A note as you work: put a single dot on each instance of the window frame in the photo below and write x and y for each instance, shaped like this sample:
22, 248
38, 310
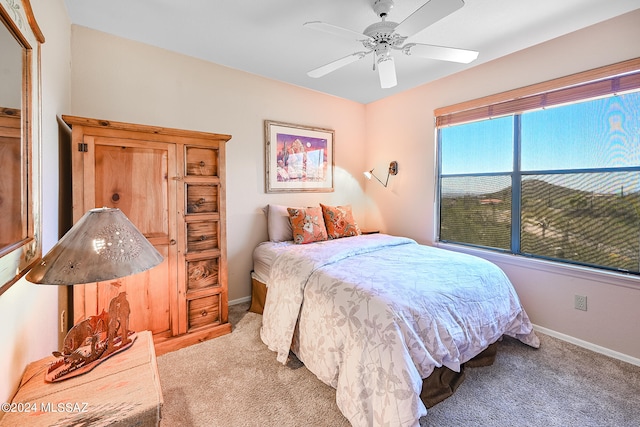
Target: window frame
604, 81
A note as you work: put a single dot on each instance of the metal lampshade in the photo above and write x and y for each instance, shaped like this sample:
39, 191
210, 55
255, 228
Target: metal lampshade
102, 245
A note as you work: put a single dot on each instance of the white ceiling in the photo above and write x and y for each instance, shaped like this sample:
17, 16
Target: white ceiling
267, 37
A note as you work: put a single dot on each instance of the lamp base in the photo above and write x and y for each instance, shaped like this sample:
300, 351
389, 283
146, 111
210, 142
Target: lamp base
63, 369
92, 341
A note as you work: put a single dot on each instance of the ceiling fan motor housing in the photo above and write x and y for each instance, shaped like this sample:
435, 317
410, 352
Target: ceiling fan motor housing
383, 37
382, 7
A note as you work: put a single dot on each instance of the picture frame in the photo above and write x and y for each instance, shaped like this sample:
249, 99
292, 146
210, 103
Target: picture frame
298, 158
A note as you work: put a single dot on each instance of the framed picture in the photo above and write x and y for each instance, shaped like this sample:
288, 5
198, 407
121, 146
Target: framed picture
298, 158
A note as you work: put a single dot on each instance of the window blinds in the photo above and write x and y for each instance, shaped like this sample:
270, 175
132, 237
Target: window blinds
617, 78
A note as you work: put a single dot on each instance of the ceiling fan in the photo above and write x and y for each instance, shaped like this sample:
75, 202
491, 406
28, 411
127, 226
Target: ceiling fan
383, 37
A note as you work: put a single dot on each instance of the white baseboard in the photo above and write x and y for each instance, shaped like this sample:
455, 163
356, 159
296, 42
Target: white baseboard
240, 300
588, 345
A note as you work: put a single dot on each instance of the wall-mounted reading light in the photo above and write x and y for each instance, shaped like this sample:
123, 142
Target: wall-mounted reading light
393, 170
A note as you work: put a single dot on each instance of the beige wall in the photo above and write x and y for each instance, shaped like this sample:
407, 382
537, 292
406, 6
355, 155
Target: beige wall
401, 128
122, 80
29, 313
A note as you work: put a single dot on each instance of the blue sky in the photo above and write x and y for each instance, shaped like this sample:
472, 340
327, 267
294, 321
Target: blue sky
601, 133
565, 137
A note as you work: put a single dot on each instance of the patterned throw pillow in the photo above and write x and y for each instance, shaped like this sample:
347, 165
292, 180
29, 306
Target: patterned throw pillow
307, 224
339, 221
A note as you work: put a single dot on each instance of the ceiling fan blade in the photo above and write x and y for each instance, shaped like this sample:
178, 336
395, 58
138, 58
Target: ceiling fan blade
428, 14
387, 73
335, 30
334, 65
440, 52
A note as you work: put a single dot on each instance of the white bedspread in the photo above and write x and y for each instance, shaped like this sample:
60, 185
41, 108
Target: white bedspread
376, 314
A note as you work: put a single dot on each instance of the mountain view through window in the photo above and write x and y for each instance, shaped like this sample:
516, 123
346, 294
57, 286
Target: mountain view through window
561, 183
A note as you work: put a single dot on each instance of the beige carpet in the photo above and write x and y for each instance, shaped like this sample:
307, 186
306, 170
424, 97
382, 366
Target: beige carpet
235, 380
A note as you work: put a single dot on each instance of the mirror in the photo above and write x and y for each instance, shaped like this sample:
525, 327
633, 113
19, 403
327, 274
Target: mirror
12, 189
20, 40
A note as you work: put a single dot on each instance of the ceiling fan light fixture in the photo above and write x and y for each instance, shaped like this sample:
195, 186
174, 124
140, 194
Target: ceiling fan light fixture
387, 72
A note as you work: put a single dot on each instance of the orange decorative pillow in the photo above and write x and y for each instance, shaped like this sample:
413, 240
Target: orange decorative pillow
339, 221
307, 224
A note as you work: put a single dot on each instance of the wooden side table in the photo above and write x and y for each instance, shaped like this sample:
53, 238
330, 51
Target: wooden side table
124, 390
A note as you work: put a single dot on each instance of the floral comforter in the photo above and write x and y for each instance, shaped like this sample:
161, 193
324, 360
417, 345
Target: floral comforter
373, 315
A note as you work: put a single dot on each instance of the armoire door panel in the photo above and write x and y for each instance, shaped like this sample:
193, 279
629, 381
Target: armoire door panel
148, 294
135, 180
133, 176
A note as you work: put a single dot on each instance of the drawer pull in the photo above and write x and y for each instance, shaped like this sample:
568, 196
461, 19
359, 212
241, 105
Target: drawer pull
172, 242
115, 197
204, 313
202, 163
203, 238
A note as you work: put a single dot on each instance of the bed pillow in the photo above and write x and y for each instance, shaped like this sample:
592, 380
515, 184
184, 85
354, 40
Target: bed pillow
278, 223
339, 221
307, 225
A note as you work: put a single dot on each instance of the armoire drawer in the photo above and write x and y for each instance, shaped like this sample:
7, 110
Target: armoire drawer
203, 273
204, 311
202, 198
201, 161
202, 236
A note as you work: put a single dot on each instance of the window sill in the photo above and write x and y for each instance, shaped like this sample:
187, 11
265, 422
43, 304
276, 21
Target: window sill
585, 273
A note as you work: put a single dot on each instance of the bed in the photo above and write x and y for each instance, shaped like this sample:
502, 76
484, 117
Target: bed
374, 315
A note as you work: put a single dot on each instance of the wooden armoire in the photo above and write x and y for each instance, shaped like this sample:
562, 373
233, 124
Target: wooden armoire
171, 184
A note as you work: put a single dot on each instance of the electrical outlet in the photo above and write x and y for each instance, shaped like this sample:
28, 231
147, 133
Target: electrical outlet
581, 302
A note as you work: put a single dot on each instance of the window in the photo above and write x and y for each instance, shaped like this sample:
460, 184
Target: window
475, 183
559, 183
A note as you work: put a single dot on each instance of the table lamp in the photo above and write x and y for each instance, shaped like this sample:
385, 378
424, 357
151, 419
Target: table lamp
102, 245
